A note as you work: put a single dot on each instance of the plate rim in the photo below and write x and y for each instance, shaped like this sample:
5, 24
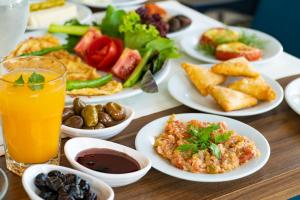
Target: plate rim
273, 105
106, 4
206, 59
140, 137
288, 97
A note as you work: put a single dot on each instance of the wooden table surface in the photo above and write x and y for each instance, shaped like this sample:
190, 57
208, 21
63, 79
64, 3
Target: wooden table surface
278, 179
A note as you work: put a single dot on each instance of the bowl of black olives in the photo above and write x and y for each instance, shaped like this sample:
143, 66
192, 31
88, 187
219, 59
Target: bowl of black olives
95, 120
58, 183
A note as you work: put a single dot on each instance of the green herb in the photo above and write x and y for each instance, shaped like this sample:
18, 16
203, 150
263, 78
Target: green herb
215, 150
201, 139
35, 81
222, 137
207, 49
111, 22
252, 40
19, 81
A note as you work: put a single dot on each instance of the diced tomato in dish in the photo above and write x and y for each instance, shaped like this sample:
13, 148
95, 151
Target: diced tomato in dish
91, 35
126, 63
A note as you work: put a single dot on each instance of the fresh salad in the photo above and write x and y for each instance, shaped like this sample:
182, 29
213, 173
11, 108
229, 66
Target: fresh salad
120, 45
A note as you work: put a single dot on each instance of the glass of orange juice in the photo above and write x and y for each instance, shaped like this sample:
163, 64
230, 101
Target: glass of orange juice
32, 95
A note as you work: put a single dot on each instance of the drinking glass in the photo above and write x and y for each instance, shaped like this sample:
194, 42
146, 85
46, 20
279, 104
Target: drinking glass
32, 95
3, 184
13, 21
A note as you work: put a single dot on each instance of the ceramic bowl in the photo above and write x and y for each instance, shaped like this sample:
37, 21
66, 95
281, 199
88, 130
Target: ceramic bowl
76, 145
103, 191
104, 133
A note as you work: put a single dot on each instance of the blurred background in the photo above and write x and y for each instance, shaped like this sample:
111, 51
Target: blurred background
276, 17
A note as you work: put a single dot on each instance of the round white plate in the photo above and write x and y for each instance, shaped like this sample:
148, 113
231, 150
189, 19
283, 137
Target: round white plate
292, 95
183, 90
105, 3
272, 49
146, 137
125, 93
98, 17
84, 16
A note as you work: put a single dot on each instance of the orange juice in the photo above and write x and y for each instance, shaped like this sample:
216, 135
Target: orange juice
31, 119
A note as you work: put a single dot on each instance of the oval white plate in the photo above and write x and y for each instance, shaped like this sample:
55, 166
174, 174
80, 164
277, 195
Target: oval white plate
102, 190
76, 145
146, 137
272, 49
104, 133
84, 16
98, 16
125, 93
105, 3
183, 90
292, 95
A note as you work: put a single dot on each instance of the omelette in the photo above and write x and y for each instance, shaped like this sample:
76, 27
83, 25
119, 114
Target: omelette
76, 68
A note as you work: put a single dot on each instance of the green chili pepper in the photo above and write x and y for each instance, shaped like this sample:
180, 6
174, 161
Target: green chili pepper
44, 51
77, 84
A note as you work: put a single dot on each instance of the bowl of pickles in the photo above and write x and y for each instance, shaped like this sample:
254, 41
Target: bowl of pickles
95, 120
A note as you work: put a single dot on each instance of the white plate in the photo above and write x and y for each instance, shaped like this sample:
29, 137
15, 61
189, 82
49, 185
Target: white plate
183, 90
105, 3
146, 137
272, 49
104, 133
98, 16
84, 16
125, 93
292, 95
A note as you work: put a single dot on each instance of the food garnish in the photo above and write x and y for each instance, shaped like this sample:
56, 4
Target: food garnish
20, 80
95, 83
203, 147
34, 82
56, 185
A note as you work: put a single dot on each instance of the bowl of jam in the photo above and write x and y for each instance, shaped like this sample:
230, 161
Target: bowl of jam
115, 164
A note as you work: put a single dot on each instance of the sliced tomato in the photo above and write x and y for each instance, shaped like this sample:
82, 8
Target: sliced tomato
104, 52
126, 63
235, 50
86, 40
155, 9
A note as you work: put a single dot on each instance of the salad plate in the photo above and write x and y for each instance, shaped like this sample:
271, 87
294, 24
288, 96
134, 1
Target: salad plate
271, 47
84, 16
125, 93
105, 3
292, 95
182, 89
146, 137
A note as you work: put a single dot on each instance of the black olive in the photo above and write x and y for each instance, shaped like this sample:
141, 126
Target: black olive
78, 105
84, 185
57, 173
65, 196
40, 181
70, 179
91, 196
49, 195
67, 113
184, 21
76, 192
74, 122
174, 24
54, 183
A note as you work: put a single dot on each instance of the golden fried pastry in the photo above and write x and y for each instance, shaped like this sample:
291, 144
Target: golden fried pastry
235, 67
202, 77
230, 99
255, 87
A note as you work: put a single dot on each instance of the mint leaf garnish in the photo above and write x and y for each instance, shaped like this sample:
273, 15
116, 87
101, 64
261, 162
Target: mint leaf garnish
35, 81
187, 147
19, 81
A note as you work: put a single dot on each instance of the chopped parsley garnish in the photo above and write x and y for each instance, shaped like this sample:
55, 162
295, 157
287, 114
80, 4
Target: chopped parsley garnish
19, 81
201, 139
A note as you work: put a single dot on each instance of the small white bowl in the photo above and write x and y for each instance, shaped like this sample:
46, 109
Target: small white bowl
76, 145
103, 191
104, 133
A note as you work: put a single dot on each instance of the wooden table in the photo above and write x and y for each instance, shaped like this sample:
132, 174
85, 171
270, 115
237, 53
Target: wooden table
278, 179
